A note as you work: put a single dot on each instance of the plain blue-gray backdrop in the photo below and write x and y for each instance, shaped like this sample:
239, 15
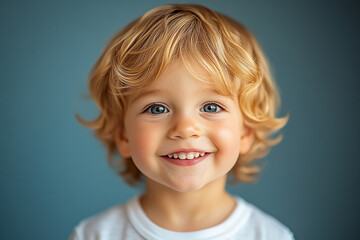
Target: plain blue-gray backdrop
53, 172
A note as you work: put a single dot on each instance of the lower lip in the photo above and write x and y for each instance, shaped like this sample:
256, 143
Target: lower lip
185, 162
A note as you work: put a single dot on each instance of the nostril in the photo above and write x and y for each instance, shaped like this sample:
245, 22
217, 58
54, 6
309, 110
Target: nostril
181, 133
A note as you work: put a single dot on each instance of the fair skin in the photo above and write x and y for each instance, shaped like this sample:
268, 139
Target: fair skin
185, 137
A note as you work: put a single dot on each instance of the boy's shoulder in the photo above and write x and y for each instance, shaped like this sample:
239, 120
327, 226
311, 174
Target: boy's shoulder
103, 225
261, 225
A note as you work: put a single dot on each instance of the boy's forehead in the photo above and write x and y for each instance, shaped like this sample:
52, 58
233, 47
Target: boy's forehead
173, 70
179, 70
156, 88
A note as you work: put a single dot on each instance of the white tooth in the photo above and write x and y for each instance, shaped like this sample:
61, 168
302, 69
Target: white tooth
197, 154
182, 155
190, 155
175, 155
202, 154
170, 155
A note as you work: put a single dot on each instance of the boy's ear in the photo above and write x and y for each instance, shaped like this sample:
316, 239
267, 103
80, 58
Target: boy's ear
247, 139
121, 142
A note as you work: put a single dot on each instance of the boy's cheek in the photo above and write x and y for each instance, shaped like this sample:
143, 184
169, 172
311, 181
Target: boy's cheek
227, 137
144, 138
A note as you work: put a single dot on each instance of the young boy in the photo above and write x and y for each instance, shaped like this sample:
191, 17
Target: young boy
185, 96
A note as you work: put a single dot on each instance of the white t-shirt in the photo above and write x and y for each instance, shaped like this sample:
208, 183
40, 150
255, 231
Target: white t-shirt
129, 221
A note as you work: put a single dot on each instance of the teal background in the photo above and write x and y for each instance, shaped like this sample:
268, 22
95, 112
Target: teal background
53, 172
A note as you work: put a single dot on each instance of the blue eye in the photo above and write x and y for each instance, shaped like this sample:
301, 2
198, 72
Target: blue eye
157, 109
211, 108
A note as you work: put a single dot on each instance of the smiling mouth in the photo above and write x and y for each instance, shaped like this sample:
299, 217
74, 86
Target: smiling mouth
186, 159
185, 156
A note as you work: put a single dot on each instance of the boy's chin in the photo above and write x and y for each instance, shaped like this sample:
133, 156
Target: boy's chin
186, 188
186, 184
183, 186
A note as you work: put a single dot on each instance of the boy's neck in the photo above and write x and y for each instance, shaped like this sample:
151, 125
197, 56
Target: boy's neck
189, 211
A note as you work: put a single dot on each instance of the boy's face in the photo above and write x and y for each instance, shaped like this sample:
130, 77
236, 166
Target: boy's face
181, 133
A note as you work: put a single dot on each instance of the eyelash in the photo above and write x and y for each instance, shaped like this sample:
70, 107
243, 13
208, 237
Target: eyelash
149, 108
218, 107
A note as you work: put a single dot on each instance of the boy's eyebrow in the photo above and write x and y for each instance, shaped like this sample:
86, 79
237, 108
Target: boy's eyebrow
145, 93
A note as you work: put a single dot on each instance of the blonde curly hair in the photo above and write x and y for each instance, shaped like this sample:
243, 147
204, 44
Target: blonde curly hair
140, 52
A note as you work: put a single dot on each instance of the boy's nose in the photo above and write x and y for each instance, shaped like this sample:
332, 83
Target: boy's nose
184, 127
